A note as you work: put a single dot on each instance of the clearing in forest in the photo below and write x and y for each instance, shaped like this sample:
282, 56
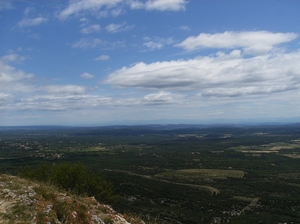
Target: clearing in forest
201, 173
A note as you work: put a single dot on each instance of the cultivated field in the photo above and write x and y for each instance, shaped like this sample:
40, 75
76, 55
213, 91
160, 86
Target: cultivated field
201, 173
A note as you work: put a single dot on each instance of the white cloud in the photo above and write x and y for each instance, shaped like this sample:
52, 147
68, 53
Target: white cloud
19, 92
216, 113
60, 102
32, 22
153, 45
10, 74
185, 28
247, 90
102, 58
13, 58
84, 20
85, 43
28, 10
64, 89
252, 42
157, 43
161, 5
115, 7
4, 4
102, 14
222, 75
115, 28
116, 12
90, 29
12, 79
78, 6
160, 98
86, 75
235, 53
4, 97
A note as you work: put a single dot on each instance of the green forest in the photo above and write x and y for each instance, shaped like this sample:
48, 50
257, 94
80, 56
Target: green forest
168, 174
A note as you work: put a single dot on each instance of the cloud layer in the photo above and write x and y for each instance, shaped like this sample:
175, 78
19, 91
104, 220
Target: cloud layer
86, 75
114, 7
85, 43
27, 22
161, 67
254, 42
222, 75
116, 28
165, 5
78, 6
90, 29
174, 82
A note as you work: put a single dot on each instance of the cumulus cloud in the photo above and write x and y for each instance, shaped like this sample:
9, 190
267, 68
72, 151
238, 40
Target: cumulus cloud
220, 75
78, 6
157, 43
160, 98
102, 58
90, 29
12, 79
165, 5
153, 45
85, 43
13, 58
252, 42
115, 28
86, 75
26, 22
19, 92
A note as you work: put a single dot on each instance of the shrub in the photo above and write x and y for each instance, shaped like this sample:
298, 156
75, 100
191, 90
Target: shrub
73, 177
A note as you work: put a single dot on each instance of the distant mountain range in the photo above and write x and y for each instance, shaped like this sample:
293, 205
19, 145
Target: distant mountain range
159, 127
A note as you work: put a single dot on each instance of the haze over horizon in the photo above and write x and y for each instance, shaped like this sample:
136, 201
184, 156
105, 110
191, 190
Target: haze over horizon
95, 62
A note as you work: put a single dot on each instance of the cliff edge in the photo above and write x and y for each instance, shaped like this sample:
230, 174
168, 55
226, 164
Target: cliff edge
24, 201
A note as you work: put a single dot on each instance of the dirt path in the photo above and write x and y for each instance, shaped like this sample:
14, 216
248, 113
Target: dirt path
251, 205
211, 190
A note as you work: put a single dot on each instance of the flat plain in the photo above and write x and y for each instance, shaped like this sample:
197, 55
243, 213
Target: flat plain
177, 174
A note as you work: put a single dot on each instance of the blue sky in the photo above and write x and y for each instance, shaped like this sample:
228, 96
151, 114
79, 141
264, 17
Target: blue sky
99, 62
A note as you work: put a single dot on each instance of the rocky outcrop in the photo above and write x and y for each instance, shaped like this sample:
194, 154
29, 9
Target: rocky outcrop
24, 201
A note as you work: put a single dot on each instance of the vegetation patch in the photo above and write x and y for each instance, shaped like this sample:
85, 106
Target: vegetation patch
292, 155
160, 177
75, 178
201, 173
268, 148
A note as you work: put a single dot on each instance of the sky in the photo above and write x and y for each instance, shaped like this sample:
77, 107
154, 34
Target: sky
102, 62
